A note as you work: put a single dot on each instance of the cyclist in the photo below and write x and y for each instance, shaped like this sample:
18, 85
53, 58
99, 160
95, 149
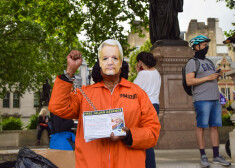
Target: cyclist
205, 95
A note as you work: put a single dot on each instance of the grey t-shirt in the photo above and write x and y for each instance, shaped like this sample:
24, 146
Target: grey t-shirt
207, 90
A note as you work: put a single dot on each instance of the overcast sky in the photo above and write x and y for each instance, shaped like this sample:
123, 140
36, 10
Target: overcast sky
203, 9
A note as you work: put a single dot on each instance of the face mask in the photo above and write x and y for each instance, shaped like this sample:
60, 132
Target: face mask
110, 61
201, 54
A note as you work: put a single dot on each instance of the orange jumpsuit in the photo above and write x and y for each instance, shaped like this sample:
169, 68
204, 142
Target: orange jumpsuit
139, 115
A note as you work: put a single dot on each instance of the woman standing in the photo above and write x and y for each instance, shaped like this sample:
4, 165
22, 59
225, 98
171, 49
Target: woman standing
149, 80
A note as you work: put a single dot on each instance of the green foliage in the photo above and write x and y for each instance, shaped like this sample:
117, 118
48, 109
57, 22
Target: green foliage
146, 47
33, 122
230, 3
226, 121
105, 19
230, 32
12, 123
36, 36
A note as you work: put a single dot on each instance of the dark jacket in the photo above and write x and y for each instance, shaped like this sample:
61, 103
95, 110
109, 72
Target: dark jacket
60, 124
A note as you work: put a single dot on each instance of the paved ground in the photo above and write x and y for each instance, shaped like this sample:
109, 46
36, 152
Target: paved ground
187, 158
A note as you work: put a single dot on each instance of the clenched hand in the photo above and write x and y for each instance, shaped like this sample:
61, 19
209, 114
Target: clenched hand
74, 60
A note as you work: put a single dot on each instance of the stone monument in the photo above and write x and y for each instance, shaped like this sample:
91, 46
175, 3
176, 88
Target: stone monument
177, 116
163, 22
45, 95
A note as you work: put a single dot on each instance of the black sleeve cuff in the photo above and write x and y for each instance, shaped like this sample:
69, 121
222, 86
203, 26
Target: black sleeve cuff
64, 78
128, 139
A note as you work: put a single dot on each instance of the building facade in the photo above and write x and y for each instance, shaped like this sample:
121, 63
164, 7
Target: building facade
226, 83
212, 31
135, 41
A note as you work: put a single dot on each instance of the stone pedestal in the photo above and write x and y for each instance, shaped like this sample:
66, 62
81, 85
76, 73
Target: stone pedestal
177, 115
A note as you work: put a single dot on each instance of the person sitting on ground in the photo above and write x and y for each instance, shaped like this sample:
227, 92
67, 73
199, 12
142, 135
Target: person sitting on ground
43, 120
62, 137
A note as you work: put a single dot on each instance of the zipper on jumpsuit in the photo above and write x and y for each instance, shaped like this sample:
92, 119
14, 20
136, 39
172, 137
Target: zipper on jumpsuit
110, 108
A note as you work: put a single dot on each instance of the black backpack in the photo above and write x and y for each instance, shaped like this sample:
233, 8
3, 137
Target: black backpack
188, 89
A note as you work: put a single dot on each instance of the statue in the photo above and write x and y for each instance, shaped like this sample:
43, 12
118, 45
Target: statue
164, 19
46, 93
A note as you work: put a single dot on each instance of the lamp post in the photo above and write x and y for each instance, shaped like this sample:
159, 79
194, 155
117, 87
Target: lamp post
0, 122
89, 75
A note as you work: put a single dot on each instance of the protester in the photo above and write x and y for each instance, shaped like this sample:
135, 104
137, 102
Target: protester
62, 137
111, 90
205, 98
43, 120
149, 80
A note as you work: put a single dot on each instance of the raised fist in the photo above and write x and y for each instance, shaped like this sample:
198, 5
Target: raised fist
74, 60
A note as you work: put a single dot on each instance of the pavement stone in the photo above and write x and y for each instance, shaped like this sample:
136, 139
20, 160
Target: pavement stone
187, 158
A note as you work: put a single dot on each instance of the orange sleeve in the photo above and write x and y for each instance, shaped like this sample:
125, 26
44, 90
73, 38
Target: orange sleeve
63, 102
146, 134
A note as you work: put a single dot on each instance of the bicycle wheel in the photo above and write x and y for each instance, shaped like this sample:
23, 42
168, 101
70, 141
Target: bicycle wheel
227, 147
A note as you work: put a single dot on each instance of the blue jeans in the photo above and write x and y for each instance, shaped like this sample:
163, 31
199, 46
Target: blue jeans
156, 106
208, 112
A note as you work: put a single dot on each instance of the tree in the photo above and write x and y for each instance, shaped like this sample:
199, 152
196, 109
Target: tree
231, 5
133, 73
37, 35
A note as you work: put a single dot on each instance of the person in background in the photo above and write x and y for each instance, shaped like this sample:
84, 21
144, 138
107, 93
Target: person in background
149, 80
62, 137
205, 95
43, 120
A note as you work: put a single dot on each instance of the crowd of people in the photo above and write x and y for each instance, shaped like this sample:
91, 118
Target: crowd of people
139, 101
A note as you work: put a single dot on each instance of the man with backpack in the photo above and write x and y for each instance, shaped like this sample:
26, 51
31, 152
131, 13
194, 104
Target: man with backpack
202, 76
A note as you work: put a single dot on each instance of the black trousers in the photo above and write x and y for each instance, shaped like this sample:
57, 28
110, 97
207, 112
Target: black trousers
40, 130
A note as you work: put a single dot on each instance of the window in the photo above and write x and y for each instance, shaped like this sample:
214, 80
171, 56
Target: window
16, 100
36, 99
223, 91
6, 100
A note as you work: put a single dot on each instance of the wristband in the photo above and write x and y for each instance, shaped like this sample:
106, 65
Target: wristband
67, 76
